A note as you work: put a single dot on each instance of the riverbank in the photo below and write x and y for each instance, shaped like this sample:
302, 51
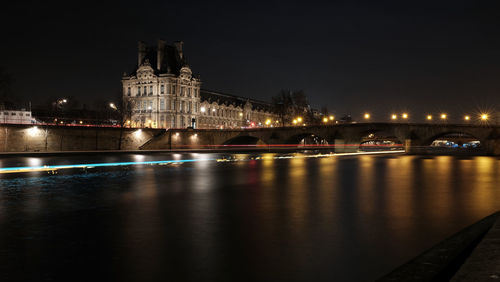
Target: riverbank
472, 254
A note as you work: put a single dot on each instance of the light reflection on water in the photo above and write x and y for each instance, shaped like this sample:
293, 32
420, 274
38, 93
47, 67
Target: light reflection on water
350, 218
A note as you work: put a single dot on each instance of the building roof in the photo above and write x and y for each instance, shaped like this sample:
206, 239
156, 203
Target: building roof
172, 60
228, 99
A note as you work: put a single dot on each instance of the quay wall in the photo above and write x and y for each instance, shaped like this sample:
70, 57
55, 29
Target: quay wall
53, 138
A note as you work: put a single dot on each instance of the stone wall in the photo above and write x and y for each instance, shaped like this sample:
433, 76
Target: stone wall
29, 138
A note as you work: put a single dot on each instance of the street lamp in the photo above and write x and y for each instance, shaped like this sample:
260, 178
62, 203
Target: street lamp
429, 117
444, 116
484, 117
394, 117
325, 120
331, 117
466, 118
404, 116
367, 116
112, 106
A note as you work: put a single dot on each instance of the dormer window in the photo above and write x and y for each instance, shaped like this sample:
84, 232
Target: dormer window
185, 73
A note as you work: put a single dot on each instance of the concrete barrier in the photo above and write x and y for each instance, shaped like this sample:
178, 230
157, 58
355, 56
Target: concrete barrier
445, 260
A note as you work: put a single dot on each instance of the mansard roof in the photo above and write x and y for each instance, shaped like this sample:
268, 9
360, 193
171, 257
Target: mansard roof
238, 101
172, 62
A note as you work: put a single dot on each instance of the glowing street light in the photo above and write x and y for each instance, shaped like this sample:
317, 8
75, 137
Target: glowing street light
429, 117
299, 119
484, 117
33, 131
444, 116
294, 121
325, 119
331, 117
367, 116
138, 132
112, 106
404, 116
466, 118
394, 117
268, 122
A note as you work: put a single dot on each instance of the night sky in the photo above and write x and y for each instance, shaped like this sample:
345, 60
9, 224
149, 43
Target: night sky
382, 57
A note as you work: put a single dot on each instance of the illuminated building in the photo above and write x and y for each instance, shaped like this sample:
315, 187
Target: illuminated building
161, 92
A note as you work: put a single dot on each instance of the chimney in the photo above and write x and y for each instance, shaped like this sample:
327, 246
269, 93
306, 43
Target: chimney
178, 46
160, 55
141, 52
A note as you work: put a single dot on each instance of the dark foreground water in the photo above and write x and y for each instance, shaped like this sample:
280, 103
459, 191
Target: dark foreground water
349, 218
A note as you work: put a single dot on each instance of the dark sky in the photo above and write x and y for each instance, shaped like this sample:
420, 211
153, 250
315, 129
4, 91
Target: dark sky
423, 56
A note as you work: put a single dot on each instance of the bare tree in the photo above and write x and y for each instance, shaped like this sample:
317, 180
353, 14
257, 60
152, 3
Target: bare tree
289, 104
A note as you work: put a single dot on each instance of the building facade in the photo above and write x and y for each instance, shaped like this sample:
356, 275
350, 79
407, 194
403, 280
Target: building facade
161, 92
16, 117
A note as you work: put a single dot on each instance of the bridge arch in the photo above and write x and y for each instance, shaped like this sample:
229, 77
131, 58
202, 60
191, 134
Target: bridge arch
380, 140
454, 139
244, 140
307, 138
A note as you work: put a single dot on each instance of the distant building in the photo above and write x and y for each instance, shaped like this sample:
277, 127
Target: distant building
16, 117
161, 92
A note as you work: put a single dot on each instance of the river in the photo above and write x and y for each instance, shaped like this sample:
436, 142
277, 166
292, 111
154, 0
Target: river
233, 217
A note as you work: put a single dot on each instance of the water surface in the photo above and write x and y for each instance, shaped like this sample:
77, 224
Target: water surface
257, 217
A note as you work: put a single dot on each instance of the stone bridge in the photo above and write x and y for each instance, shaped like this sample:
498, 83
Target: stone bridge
344, 137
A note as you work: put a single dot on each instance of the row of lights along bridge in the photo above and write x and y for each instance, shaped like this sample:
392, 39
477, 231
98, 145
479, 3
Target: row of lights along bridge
405, 116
